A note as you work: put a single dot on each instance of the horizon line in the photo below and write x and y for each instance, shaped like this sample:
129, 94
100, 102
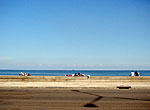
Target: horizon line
76, 69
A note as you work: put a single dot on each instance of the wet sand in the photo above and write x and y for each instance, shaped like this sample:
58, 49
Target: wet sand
73, 99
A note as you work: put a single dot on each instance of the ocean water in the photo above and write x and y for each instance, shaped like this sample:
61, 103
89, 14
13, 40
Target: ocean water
63, 72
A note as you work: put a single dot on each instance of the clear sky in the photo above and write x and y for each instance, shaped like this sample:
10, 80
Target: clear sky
74, 34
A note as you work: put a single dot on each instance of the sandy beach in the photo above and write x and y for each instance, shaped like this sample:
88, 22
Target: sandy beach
73, 99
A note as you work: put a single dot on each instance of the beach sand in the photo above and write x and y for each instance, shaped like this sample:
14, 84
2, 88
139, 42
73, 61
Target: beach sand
73, 99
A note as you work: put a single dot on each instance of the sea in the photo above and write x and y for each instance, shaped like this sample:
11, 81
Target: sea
63, 72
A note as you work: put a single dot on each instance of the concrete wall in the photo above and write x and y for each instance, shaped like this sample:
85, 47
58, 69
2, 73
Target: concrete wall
70, 79
62, 81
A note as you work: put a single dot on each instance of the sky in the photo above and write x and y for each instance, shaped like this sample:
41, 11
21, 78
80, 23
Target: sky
75, 34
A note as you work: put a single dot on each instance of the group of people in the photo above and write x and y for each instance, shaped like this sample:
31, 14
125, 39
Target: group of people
77, 74
135, 73
24, 74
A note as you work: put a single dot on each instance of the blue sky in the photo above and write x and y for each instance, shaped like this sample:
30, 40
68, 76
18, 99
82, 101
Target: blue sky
74, 34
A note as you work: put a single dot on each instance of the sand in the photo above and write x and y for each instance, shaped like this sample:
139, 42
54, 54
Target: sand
73, 99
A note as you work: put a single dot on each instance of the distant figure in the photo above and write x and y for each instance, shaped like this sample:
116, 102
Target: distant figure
132, 73
79, 74
24, 74
75, 74
69, 75
137, 73
21, 74
88, 76
28, 74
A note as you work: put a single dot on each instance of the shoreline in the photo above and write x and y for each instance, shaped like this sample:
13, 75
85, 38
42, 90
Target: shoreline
69, 72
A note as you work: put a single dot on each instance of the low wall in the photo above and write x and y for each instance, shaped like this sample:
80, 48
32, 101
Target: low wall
62, 81
67, 79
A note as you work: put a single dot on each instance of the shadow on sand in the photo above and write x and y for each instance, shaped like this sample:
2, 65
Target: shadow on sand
98, 97
90, 104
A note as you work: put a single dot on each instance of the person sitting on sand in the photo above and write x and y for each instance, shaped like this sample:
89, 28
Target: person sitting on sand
136, 73
75, 74
88, 76
21, 74
28, 74
132, 73
79, 74
25, 74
